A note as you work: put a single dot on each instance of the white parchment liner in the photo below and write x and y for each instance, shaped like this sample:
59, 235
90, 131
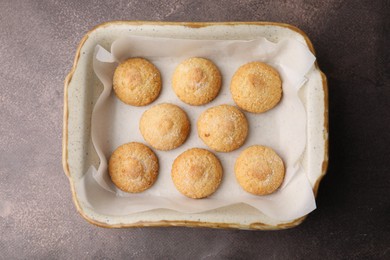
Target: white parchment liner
282, 128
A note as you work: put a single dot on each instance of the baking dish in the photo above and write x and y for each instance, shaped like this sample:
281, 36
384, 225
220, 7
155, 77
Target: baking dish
81, 93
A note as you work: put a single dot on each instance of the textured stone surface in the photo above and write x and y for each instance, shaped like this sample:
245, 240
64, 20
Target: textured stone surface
38, 40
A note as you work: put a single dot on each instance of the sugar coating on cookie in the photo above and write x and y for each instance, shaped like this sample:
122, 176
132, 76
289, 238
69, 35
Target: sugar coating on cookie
259, 170
133, 167
223, 128
256, 87
197, 173
137, 82
165, 126
196, 81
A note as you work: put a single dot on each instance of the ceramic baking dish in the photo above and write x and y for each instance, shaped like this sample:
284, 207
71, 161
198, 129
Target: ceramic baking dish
82, 89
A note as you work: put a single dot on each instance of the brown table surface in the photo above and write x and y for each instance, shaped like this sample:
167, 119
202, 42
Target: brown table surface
38, 40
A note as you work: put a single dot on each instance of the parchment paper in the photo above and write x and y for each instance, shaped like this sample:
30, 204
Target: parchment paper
282, 128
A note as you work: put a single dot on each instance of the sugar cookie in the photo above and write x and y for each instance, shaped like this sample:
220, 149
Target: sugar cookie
256, 87
165, 126
196, 81
259, 170
137, 82
133, 167
223, 128
197, 173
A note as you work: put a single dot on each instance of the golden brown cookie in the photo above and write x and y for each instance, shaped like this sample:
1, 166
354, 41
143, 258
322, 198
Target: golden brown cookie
223, 128
259, 170
197, 173
165, 126
133, 167
137, 82
196, 81
256, 87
